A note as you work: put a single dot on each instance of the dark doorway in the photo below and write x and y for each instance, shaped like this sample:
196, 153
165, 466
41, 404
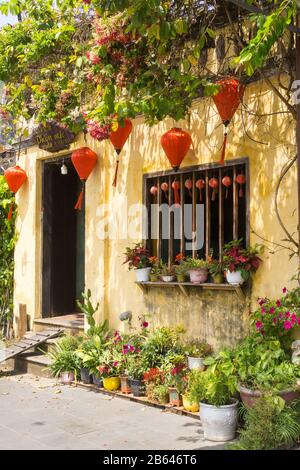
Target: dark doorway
63, 240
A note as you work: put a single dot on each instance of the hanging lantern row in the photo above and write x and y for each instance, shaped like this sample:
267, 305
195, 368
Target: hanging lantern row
201, 184
15, 178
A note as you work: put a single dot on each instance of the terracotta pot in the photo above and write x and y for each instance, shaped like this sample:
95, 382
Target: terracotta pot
189, 406
125, 385
218, 278
250, 397
175, 398
111, 383
137, 388
67, 377
198, 276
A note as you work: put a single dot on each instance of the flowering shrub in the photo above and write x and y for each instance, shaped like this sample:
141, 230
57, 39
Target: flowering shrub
154, 375
276, 319
137, 257
241, 259
178, 377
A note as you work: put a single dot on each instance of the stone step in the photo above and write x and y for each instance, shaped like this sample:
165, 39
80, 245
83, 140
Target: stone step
48, 345
30, 362
72, 324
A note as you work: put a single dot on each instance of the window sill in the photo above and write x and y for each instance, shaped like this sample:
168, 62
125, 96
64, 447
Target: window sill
183, 287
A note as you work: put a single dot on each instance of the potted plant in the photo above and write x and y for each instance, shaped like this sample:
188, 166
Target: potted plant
152, 378
196, 350
89, 354
155, 269
197, 269
136, 371
167, 273
161, 393
138, 259
240, 262
180, 271
64, 363
188, 405
109, 369
214, 391
177, 381
216, 270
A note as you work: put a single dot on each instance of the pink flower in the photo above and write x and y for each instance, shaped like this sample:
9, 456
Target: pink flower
274, 320
263, 310
298, 320
262, 301
293, 318
280, 316
258, 325
145, 324
287, 325
278, 303
272, 310
287, 315
115, 363
284, 290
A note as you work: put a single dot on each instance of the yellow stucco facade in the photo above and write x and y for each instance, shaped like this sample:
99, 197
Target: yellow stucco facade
220, 317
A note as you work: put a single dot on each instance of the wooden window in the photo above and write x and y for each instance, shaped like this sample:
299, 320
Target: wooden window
220, 219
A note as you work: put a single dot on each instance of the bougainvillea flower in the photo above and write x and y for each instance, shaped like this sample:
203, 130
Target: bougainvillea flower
278, 303
284, 290
258, 325
262, 301
272, 310
287, 325
145, 324
263, 310
287, 315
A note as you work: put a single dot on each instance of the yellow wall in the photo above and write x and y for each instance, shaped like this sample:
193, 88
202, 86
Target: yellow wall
221, 318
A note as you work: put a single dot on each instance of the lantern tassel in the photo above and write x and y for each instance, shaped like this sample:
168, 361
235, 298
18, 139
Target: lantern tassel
214, 193
78, 205
117, 169
223, 153
201, 195
176, 197
241, 192
10, 213
226, 195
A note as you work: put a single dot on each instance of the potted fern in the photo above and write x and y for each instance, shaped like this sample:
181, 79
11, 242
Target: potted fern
65, 363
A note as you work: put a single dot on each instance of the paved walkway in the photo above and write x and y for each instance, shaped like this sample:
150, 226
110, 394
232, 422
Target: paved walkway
38, 413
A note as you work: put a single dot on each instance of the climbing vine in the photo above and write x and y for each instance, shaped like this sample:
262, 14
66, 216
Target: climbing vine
7, 243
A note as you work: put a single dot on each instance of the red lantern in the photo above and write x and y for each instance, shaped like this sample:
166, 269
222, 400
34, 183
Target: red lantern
227, 101
15, 178
175, 187
165, 188
84, 161
241, 180
153, 190
188, 184
176, 144
119, 138
226, 181
214, 183
200, 184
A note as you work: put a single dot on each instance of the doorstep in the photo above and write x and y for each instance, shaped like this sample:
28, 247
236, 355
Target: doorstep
142, 400
72, 323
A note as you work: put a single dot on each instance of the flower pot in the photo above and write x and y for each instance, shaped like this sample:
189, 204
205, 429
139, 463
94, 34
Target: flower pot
125, 385
181, 277
174, 397
137, 388
85, 376
218, 278
198, 276
219, 422
97, 381
67, 377
111, 383
189, 406
153, 277
168, 278
143, 275
196, 363
235, 277
250, 397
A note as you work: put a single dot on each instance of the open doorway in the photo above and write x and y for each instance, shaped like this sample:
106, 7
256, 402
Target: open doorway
63, 240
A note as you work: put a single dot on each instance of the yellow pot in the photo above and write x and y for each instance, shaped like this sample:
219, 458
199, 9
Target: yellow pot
188, 406
111, 383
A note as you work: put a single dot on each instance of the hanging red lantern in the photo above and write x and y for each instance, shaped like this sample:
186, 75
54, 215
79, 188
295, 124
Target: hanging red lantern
189, 184
84, 160
165, 188
176, 144
15, 178
153, 190
226, 181
200, 184
214, 184
119, 138
241, 180
227, 101
175, 187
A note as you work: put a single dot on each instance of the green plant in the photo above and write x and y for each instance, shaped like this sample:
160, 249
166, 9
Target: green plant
177, 377
137, 257
136, 367
7, 244
159, 343
180, 269
216, 267
167, 270
195, 263
237, 258
110, 364
89, 310
269, 424
213, 386
160, 393
197, 348
90, 352
64, 358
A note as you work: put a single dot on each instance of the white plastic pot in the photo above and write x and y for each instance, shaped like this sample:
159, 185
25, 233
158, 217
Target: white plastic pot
235, 277
196, 363
219, 422
143, 275
168, 278
67, 377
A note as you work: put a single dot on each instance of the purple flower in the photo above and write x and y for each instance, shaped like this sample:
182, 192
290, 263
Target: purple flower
272, 310
287, 325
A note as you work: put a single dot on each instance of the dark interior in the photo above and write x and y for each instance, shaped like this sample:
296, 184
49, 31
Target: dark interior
63, 240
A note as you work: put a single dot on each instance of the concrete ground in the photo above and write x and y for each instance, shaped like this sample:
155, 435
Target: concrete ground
37, 413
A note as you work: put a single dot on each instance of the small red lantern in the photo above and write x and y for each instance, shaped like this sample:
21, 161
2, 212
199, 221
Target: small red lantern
200, 184
165, 188
226, 181
214, 184
154, 191
175, 187
227, 101
119, 138
188, 184
15, 178
241, 180
84, 160
176, 144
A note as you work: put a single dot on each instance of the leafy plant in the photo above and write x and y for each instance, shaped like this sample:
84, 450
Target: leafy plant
162, 341
195, 263
167, 270
213, 386
269, 424
160, 393
137, 257
89, 310
90, 352
197, 348
177, 377
64, 358
237, 258
216, 267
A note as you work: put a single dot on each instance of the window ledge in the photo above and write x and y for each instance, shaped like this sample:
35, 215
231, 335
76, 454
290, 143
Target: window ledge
183, 287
